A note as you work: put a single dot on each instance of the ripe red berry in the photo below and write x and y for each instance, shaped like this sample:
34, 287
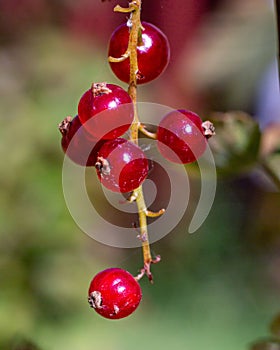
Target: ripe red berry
153, 52
181, 132
116, 107
77, 143
114, 293
121, 165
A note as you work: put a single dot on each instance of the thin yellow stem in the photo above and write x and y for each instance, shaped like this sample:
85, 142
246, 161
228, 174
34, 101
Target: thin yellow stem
132, 48
137, 195
140, 201
132, 90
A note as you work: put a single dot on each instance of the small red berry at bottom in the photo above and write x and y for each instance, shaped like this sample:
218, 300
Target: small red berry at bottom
114, 293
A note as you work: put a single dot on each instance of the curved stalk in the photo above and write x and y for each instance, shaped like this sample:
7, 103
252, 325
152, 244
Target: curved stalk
138, 195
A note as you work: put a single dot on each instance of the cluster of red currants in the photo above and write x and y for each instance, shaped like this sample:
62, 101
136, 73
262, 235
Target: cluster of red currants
95, 137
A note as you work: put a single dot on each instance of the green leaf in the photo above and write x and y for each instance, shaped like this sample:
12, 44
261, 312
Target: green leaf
270, 152
236, 144
266, 344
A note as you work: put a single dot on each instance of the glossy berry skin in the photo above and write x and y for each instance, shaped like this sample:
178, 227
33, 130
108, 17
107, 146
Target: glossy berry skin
106, 111
77, 144
181, 131
121, 165
114, 293
153, 53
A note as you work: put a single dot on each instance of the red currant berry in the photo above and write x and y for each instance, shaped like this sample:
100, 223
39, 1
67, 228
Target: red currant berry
153, 52
116, 107
114, 293
83, 149
121, 165
181, 132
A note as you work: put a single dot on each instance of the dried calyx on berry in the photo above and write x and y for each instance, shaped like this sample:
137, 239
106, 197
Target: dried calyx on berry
100, 89
209, 129
102, 166
76, 142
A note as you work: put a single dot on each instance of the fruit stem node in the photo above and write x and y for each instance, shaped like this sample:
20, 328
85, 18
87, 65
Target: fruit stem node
119, 59
146, 270
152, 214
151, 135
133, 6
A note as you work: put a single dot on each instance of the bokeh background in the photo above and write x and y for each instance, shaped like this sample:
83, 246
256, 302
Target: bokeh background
218, 288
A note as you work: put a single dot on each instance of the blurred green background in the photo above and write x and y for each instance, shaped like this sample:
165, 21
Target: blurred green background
216, 289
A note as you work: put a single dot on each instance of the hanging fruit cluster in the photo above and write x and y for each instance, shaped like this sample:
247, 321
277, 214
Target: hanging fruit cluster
138, 53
